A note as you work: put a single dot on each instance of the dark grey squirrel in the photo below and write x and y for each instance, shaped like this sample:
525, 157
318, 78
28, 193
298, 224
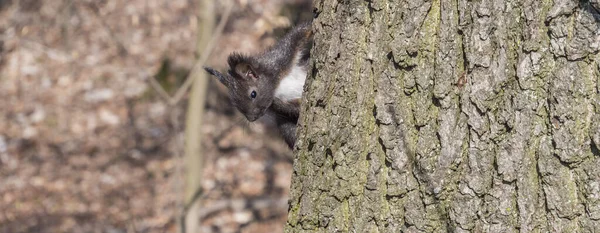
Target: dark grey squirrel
271, 82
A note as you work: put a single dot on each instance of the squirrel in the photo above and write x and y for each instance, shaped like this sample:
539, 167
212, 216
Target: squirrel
271, 82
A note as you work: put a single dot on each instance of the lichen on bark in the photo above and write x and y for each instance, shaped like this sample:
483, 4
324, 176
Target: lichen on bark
450, 116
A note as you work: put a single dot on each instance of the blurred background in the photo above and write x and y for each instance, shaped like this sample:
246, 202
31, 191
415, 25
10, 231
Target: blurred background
93, 108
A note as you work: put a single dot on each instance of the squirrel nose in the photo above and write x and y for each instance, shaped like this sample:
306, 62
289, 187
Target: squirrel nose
252, 118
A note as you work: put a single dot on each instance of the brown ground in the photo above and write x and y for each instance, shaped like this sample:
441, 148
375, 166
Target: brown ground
86, 145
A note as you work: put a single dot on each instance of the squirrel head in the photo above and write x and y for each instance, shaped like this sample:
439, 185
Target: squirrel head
251, 88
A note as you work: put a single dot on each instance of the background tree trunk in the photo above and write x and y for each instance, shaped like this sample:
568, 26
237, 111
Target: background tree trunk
450, 116
194, 162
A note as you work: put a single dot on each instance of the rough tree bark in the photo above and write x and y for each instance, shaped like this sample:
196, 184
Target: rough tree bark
450, 116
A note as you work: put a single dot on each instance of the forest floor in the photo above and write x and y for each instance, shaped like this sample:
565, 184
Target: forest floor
87, 145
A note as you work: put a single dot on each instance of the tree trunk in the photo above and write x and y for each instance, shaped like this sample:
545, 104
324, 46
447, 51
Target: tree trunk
450, 116
193, 158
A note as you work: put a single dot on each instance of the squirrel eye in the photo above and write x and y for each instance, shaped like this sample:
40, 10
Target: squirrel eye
253, 94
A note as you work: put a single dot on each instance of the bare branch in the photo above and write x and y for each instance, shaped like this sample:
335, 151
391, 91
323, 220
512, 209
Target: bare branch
239, 204
200, 62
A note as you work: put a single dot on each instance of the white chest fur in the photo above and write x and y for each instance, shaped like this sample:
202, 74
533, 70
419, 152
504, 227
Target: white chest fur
291, 86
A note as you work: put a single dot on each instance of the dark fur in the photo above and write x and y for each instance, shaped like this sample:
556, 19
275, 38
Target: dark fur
262, 73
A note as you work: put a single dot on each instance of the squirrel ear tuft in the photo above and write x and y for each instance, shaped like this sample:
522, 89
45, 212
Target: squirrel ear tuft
224, 79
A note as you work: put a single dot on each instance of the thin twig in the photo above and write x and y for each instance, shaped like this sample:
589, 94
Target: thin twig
178, 145
181, 91
200, 62
118, 41
158, 88
239, 204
